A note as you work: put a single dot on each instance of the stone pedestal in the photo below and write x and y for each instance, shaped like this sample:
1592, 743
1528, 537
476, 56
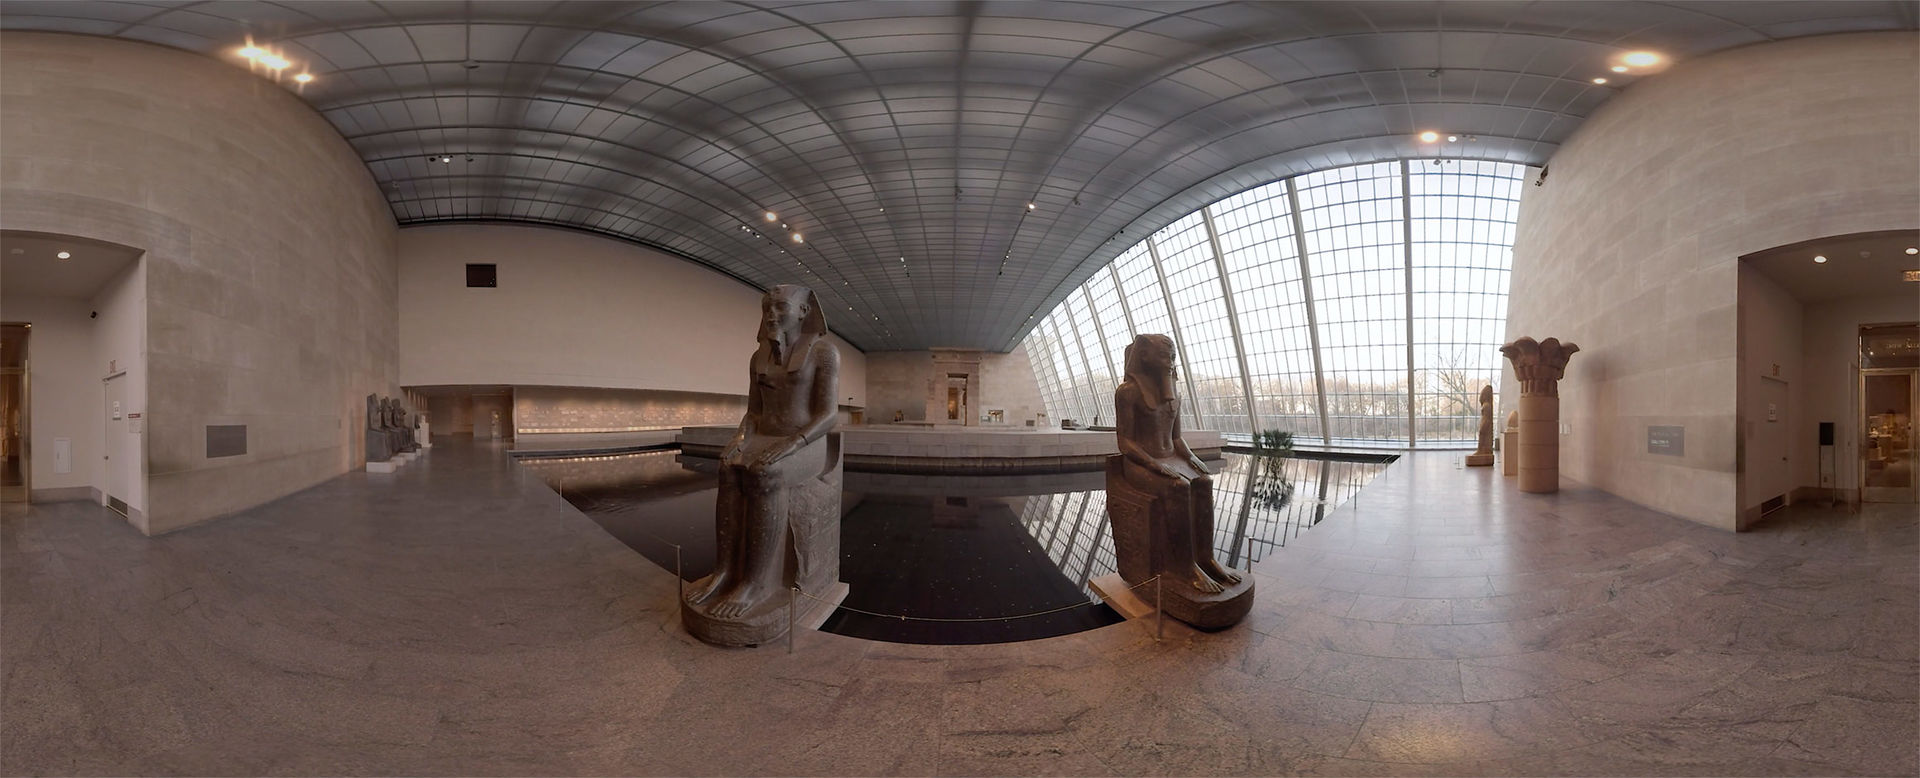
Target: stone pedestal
1539, 366
1135, 523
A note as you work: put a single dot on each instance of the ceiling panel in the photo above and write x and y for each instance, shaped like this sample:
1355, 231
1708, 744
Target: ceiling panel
676, 124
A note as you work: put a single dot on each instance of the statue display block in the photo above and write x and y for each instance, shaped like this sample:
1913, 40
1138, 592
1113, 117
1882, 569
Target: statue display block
1510, 445
1483, 455
1160, 499
1539, 365
777, 518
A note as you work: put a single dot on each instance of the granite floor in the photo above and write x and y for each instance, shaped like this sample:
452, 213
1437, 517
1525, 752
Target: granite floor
459, 618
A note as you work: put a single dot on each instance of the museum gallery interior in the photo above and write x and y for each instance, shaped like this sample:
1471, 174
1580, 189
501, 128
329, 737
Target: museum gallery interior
536, 387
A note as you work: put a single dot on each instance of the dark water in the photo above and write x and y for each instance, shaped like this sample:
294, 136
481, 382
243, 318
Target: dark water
964, 559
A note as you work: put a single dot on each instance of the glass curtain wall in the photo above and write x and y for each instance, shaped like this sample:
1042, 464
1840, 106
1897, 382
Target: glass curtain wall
1367, 307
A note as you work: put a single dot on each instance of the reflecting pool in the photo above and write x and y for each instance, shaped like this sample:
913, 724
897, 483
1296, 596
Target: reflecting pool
955, 559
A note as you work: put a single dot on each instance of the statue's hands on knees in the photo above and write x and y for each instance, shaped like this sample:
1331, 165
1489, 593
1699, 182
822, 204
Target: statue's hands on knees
773, 454
1199, 466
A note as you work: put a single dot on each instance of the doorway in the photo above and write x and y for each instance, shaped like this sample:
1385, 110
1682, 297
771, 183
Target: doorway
1889, 392
116, 457
15, 461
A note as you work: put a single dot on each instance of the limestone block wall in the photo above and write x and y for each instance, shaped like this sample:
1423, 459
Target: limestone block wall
1630, 247
578, 410
579, 310
897, 381
269, 254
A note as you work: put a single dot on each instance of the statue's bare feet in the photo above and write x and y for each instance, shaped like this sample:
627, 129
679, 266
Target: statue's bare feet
713, 584
737, 602
1219, 572
1200, 580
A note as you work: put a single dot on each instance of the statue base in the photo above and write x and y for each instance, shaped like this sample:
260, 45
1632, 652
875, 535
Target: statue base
1135, 518
763, 624
1182, 602
1479, 460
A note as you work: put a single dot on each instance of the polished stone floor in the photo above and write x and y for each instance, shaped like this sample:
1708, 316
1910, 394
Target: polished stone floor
459, 618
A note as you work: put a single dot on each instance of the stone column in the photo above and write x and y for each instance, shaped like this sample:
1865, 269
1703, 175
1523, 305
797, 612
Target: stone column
1539, 365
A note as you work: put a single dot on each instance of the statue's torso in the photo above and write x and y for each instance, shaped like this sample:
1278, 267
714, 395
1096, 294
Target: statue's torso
786, 395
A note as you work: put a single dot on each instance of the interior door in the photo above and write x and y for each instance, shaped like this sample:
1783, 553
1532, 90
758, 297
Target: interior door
15, 459
1769, 466
115, 457
1886, 434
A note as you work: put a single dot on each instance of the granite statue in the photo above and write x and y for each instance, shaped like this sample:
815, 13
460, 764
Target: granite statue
1539, 365
1160, 499
379, 445
1483, 455
777, 517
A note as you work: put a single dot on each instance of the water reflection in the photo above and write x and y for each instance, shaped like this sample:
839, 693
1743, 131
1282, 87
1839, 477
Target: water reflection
955, 559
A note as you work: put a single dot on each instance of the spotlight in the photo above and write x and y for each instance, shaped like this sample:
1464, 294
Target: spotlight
273, 61
1030, 206
252, 52
1599, 81
798, 239
64, 255
1429, 136
446, 159
1453, 138
1618, 68
1912, 251
1820, 259
304, 78
771, 217
1641, 59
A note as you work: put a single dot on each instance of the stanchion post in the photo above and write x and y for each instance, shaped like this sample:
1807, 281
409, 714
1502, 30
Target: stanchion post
790, 591
1159, 609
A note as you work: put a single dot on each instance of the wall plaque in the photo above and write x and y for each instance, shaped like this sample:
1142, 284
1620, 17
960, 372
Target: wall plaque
1670, 441
226, 440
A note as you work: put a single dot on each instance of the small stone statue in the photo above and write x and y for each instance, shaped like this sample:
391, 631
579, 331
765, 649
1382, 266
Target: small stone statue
1160, 498
1483, 456
778, 514
379, 446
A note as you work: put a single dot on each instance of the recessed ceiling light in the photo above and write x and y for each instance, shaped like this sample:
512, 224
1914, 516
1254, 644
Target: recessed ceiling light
273, 61
1030, 206
1618, 68
1911, 251
1641, 59
1429, 136
772, 217
1599, 81
446, 159
303, 77
1820, 259
252, 52
1452, 138
798, 239
64, 255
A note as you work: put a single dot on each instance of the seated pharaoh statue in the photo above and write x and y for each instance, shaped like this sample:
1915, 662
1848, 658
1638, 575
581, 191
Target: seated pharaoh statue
777, 517
1160, 498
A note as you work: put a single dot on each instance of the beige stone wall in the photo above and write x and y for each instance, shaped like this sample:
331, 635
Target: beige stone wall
575, 309
1630, 248
579, 410
898, 380
270, 262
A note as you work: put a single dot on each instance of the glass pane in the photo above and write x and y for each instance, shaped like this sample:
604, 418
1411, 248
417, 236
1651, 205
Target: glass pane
1892, 345
1463, 218
1351, 217
1888, 402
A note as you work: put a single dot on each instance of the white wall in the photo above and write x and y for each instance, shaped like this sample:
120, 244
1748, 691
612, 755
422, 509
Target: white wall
1831, 333
1770, 335
269, 254
1630, 248
63, 387
574, 309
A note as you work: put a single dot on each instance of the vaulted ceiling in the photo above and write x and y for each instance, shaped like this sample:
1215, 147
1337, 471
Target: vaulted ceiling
905, 140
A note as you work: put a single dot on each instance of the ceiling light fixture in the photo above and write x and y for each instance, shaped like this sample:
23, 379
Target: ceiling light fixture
772, 217
1641, 59
1429, 136
304, 78
1819, 259
1030, 206
798, 239
1618, 68
64, 255
446, 159
274, 61
1453, 138
1599, 81
252, 52
1912, 251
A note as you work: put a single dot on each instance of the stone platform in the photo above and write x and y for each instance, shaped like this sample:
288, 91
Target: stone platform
914, 449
